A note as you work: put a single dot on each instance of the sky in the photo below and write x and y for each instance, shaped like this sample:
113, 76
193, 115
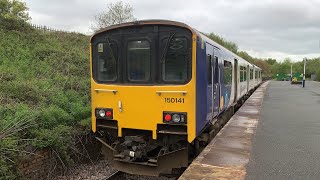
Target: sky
264, 28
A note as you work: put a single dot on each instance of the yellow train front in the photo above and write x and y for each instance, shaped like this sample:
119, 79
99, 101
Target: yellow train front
156, 85
143, 101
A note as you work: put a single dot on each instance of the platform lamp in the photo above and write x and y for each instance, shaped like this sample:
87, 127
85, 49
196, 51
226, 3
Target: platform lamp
291, 74
304, 72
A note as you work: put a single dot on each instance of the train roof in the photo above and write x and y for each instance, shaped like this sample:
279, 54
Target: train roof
145, 22
217, 45
174, 23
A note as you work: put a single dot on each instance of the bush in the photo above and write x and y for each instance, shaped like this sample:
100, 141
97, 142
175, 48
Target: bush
13, 15
318, 75
15, 119
45, 82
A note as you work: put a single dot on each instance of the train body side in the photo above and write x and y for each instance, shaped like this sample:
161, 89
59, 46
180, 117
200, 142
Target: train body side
213, 99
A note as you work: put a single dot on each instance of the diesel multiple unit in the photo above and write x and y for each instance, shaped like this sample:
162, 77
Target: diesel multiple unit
156, 85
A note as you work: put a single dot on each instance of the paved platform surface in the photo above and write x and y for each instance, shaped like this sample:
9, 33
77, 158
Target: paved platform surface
227, 155
287, 141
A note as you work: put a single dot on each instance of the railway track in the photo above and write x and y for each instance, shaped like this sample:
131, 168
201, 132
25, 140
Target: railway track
115, 175
118, 175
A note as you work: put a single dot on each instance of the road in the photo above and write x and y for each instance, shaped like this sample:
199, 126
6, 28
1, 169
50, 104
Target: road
287, 141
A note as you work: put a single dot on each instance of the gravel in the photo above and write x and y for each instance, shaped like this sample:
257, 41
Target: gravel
99, 171
93, 171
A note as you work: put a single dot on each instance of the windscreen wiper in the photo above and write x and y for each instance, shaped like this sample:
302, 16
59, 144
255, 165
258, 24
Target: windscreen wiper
110, 49
166, 47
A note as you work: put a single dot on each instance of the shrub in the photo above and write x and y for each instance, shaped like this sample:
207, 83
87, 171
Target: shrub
45, 82
318, 75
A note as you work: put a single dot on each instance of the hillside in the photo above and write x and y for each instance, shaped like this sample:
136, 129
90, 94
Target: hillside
44, 92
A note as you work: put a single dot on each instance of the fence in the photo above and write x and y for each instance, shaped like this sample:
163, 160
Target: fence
50, 29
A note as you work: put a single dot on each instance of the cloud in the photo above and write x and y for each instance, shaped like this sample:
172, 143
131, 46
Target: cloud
265, 28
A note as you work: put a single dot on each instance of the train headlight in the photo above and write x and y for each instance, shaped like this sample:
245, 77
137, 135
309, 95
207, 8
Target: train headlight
102, 113
167, 117
108, 113
176, 118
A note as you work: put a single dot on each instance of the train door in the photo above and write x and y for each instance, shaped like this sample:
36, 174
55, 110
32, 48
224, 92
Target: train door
248, 78
216, 82
210, 94
254, 75
235, 79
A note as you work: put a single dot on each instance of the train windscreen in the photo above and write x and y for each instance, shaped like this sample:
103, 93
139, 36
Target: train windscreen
149, 54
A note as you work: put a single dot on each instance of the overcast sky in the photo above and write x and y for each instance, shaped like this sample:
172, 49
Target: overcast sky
263, 28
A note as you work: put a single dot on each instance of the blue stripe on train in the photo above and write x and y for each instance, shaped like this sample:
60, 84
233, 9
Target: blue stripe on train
201, 88
203, 92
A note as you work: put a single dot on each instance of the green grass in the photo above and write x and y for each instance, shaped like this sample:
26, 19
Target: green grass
44, 81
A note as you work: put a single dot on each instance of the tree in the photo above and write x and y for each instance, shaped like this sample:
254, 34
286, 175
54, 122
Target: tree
13, 14
227, 44
245, 56
283, 67
266, 68
271, 61
116, 13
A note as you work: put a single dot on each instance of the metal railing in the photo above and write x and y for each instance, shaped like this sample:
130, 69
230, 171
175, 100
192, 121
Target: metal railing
50, 29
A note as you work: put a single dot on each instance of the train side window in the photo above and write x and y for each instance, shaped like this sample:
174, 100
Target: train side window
227, 74
243, 73
256, 74
138, 60
251, 73
216, 70
107, 61
209, 69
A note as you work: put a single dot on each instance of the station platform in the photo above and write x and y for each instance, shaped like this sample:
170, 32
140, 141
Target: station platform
274, 135
227, 155
287, 141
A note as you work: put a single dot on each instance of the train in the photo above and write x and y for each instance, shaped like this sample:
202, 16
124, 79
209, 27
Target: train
156, 86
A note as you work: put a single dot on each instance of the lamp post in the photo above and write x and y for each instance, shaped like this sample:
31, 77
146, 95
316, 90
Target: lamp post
304, 73
291, 74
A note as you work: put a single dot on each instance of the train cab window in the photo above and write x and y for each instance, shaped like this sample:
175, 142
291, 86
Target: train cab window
227, 72
107, 54
251, 73
176, 60
256, 74
138, 60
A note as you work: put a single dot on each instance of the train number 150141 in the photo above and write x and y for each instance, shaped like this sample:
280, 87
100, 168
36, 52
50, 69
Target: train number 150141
174, 100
